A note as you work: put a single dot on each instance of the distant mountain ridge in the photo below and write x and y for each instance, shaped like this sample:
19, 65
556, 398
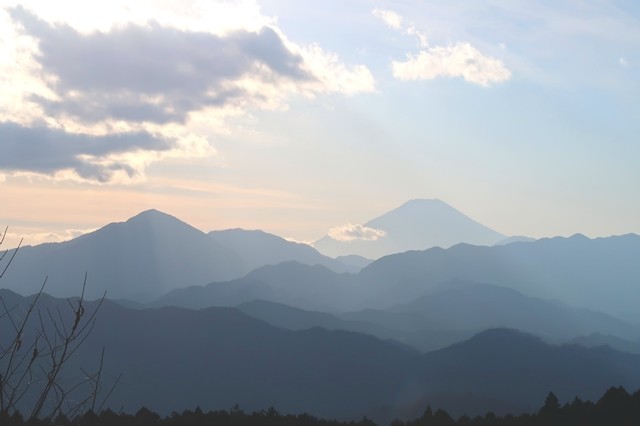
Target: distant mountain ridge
597, 274
144, 256
151, 254
258, 248
601, 274
416, 225
460, 305
311, 287
290, 295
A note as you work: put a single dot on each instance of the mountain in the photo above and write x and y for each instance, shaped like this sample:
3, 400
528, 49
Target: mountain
171, 359
515, 239
355, 261
468, 306
511, 366
600, 274
417, 335
139, 259
149, 255
290, 283
534, 286
258, 248
451, 312
284, 316
415, 225
617, 343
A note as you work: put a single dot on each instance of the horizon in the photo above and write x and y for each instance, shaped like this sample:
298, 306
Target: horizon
522, 117
11, 241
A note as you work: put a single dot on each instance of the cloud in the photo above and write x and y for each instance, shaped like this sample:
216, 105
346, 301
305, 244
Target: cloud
35, 238
335, 76
46, 151
32, 236
422, 39
175, 80
623, 62
350, 232
391, 18
152, 74
395, 21
458, 60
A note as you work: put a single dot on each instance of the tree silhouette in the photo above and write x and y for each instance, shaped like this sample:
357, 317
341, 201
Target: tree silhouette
37, 340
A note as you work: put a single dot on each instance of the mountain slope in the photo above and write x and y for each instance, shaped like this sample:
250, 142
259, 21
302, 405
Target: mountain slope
259, 248
172, 359
143, 257
468, 306
507, 365
416, 225
601, 274
150, 254
617, 343
290, 283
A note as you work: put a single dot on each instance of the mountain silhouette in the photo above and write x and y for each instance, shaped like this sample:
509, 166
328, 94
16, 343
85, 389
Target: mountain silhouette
508, 365
151, 254
415, 225
173, 359
601, 274
441, 301
143, 257
468, 306
258, 248
311, 287
599, 339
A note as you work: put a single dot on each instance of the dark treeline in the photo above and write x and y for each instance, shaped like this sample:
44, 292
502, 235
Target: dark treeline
145, 417
616, 408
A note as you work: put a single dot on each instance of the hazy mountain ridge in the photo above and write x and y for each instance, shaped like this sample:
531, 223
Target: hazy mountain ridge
599, 339
444, 305
460, 305
142, 257
416, 225
496, 360
173, 358
600, 274
449, 313
291, 283
258, 248
426, 299
150, 254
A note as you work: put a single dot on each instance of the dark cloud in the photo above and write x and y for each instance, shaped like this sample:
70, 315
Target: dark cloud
47, 151
154, 73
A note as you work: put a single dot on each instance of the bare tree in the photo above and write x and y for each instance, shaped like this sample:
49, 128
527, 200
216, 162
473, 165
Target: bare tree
37, 339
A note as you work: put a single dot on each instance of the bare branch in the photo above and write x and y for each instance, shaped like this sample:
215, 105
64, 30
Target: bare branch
35, 353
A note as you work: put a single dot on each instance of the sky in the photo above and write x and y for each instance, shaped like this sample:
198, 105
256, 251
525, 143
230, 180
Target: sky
300, 117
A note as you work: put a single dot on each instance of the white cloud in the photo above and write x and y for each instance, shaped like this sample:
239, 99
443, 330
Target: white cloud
623, 62
422, 39
350, 232
293, 240
218, 16
391, 18
458, 60
395, 21
203, 62
34, 236
333, 75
